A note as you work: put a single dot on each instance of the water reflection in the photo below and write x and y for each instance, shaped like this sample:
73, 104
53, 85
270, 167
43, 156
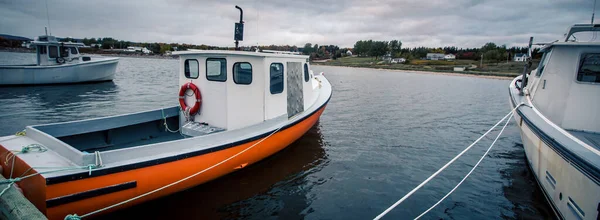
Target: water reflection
522, 190
22, 106
276, 186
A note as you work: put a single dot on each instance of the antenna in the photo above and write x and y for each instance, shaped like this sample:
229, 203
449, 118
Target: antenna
593, 12
48, 18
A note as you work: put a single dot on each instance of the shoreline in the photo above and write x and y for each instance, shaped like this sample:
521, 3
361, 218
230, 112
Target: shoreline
500, 76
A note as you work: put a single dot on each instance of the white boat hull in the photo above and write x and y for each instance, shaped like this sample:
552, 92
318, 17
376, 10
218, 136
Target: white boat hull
95, 70
572, 192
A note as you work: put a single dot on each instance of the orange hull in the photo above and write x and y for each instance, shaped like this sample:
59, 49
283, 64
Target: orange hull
148, 178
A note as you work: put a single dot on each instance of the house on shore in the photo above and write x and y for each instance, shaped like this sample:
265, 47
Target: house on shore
449, 57
398, 60
435, 56
520, 57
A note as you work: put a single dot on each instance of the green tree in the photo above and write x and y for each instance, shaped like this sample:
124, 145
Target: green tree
395, 48
307, 49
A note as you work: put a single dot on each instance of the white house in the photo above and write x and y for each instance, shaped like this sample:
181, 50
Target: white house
349, 53
398, 60
435, 56
520, 57
449, 57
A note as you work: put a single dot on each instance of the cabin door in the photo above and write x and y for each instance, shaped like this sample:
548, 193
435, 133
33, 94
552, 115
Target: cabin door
295, 95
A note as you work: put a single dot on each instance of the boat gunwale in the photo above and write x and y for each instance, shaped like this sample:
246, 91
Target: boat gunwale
122, 166
98, 60
567, 151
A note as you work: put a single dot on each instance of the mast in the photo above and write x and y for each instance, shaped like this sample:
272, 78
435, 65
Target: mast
239, 29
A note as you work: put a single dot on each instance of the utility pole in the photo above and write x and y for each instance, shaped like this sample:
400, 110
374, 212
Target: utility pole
481, 61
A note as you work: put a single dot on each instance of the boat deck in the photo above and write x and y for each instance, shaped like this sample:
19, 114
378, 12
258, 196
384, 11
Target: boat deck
592, 139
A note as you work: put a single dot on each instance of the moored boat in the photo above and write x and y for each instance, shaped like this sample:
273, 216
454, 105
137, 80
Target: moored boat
58, 63
236, 108
560, 124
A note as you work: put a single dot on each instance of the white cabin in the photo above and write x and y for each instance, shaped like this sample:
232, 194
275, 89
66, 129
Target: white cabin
49, 51
566, 85
240, 89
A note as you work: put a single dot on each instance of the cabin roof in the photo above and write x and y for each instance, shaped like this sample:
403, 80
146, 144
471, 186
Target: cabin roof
569, 44
237, 53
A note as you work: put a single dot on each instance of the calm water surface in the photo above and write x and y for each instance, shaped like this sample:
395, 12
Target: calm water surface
382, 133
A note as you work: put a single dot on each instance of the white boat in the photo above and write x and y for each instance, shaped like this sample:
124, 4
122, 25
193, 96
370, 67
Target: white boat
58, 63
559, 119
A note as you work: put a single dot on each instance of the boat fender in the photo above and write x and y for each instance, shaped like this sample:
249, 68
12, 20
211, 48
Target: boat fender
60, 60
194, 88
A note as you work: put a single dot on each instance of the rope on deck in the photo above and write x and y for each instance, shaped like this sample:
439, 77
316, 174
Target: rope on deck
11, 155
446, 165
165, 123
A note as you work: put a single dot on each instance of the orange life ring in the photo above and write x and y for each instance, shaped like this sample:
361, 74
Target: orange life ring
196, 91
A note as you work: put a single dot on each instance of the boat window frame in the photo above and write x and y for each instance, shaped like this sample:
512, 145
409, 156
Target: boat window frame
42, 49
306, 73
543, 62
235, 73
579, 64
274, 92
187, 74
64, 51
50, 51
71, 49
223, 70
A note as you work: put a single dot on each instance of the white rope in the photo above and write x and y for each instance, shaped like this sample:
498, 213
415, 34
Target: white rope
165, 123
466, 176
75, 216
444, 167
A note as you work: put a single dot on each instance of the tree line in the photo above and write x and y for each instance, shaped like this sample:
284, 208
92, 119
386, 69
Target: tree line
490, 51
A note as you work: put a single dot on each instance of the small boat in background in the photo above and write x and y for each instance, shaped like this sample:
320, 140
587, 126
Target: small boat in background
58, 63
559, 121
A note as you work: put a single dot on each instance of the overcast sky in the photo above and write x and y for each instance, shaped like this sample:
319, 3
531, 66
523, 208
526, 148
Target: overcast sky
432, 23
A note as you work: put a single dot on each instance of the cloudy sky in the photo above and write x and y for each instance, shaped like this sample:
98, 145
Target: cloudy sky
432, 23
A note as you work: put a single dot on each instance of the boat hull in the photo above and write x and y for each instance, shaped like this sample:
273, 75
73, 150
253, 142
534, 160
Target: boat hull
571, 189
81, 196
96, 70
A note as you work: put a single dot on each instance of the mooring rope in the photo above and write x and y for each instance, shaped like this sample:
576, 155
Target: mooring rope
77, 217
446, 165
11, 155
471, 171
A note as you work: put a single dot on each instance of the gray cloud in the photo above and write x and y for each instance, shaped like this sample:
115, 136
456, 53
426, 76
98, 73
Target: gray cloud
433, 23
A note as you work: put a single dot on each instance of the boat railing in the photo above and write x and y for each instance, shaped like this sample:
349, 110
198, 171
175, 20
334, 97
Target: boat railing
581, 28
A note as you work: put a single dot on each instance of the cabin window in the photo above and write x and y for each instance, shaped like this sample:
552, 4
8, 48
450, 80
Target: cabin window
242, 73
306, 75
276, 74
543, 63
53, 51
64, 51
216, 69
191, 69
42, 49
73, 50
589, 68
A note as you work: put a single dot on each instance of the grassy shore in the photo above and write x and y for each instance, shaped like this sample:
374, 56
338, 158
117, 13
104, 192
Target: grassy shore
503, 69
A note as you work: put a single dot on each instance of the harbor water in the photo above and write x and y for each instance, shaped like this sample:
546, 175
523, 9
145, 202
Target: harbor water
382, 133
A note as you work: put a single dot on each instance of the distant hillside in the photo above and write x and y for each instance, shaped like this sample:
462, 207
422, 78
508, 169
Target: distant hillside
12, 37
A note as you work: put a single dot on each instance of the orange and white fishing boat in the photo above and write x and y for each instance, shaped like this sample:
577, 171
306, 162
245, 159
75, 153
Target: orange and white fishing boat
236, 108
